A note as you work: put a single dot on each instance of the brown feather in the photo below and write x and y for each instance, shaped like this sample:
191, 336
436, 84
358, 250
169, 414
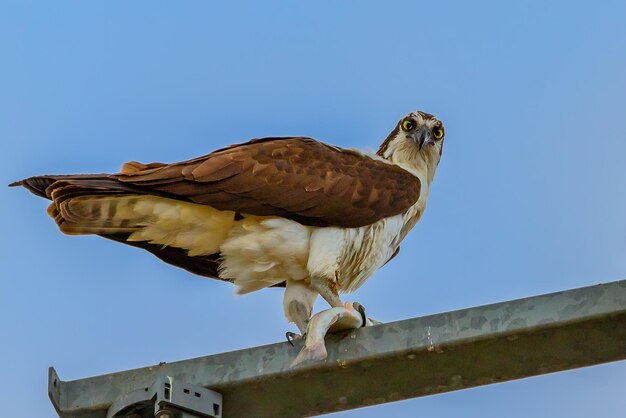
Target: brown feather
295, 177
283, 176
134, 166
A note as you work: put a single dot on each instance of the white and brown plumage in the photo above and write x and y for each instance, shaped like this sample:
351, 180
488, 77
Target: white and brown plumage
290, 212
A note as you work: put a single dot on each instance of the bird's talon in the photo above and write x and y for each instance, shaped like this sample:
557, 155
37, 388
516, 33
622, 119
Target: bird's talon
292, 336
361, 310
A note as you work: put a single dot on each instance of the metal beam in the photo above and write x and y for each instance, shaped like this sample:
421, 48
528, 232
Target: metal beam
389, 362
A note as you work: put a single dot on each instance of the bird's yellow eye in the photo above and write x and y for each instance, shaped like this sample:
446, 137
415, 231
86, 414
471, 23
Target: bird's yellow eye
438, 133
408, 124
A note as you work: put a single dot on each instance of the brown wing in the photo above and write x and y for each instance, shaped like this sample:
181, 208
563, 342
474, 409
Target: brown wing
297, 178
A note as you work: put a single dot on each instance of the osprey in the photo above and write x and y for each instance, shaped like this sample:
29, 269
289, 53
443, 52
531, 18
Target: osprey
289, 211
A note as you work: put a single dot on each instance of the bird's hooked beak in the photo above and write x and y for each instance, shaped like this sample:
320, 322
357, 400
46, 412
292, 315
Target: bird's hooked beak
422, 136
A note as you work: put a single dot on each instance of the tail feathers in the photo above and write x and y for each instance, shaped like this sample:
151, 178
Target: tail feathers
148, 219
88, 203
93, 214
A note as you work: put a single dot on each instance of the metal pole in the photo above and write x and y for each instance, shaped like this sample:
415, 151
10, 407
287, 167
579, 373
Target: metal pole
389, 362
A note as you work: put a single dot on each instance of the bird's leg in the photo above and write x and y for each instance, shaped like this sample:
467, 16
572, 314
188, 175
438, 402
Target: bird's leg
298, 304
328, 289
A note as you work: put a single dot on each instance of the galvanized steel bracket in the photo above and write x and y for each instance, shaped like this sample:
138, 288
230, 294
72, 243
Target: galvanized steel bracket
168, 398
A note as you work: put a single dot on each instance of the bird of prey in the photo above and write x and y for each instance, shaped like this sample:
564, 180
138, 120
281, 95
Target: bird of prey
286, 211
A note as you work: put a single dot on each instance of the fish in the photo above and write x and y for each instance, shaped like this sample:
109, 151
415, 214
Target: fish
330, 320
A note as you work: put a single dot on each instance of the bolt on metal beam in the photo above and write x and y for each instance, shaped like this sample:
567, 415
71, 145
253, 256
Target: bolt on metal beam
389, 362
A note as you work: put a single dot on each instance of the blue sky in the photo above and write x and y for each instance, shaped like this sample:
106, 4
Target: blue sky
529, 197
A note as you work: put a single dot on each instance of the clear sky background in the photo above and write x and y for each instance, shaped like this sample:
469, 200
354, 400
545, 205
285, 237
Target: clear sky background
529, 197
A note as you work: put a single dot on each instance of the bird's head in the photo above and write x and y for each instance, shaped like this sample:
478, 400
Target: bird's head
416, 143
